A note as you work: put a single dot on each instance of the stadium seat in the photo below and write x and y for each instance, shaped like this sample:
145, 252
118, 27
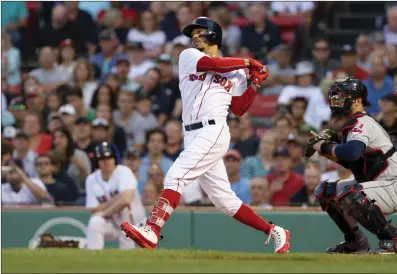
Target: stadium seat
284, 22
263, 106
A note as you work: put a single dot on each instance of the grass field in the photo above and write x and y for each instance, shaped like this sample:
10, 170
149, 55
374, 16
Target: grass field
188, 261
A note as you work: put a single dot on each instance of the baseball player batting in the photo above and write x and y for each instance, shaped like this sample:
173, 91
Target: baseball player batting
112, 195
209, 84
366, 149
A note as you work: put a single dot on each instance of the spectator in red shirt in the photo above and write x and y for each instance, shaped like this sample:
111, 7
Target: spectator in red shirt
283, 182
39, 142
349, 64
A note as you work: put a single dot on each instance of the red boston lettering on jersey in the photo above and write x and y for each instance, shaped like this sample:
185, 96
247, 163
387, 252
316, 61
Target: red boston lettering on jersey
194, 77
358, 129
223, 81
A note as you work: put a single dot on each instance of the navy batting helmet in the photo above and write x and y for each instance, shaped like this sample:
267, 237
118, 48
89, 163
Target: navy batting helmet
343, 92
106, 150
214, 34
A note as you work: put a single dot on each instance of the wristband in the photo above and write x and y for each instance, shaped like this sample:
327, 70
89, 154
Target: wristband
326, 147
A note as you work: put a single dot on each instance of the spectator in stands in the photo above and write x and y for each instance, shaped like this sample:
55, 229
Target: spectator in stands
54, 122
104, 95
150, 194
113, 80
303, 9
305, 86
305, 196
392, 60
363, 49
322, 61
39, 142
349, 64
83, 77
122, 69
67, 58
295, 148
113, 19
131, 121
390, 30
139, 64
282, 71
240, 184
170, 85
75, 99
156, 139
19, 189
82, 136
77, 163
60, 192
10, 60
49, 74
248, 143
283, 181
148, 34
35, 97
283, 128
24, 153
184, 16
297, 108
116, 134
261, 164
94, 8
174, 132
68, 116
220, 13
259, 192
339, 173
53, 102
178, 45
155, 177
6, 154
133, 161
18, 110
14, 17
388, 113
106, 59
379, 84
261, 36
100, 130
233, 123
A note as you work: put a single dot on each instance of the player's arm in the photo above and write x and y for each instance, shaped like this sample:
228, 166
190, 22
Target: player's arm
349, 152
226, 64
121, 201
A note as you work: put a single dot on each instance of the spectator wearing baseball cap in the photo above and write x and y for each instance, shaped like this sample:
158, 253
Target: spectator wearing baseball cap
283, 181
239, 184
149, 34
82, 136
121, 70
18, 110
68, 116
388, 113
295, 148
107, 58
132, 159
322, 61
139, 64
75, 99
24, 153
100, 130
67, 57
349, 64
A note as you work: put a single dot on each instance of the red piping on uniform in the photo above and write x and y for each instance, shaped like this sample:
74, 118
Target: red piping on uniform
204, 96
240, 104
221, 65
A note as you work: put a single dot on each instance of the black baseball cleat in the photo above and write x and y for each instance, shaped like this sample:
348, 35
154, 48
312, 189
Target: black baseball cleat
347, 248
386, 247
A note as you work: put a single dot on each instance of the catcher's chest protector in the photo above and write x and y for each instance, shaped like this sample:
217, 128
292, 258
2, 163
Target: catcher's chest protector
372, 162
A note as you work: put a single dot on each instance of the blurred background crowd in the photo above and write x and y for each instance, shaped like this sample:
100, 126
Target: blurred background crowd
75, 74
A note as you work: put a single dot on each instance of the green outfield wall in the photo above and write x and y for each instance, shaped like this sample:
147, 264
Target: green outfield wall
311, 231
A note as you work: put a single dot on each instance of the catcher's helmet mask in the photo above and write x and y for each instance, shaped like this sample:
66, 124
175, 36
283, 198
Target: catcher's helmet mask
214, 34
343, 93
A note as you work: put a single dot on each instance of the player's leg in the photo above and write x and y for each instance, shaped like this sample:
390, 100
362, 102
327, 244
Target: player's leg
98, 229
217, 186
206, 147
367, 203
355, 239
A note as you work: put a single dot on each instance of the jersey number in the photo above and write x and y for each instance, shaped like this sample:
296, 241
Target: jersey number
358, 129
103, 198
223, 81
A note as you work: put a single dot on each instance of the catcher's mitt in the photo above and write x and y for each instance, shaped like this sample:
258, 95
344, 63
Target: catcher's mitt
324, 135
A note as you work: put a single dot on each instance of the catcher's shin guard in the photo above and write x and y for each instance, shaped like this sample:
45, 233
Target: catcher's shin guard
356, 204
355, 239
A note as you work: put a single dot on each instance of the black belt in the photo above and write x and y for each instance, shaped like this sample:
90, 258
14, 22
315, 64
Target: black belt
198, 125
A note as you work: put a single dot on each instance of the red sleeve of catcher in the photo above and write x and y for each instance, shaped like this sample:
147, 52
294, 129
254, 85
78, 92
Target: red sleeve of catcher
240, 104
220, 65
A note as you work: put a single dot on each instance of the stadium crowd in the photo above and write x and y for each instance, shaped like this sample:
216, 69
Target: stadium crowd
108, 72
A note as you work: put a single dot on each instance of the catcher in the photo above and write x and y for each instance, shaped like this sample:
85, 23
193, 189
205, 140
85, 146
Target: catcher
366, 149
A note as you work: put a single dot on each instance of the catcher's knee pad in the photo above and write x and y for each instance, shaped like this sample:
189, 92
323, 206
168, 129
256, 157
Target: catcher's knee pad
357, 205
325, 192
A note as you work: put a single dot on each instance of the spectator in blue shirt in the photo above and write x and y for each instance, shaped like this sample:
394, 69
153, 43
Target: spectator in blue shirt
14, 15
379, 84
240, 185
108, 57
10, 61
156, 139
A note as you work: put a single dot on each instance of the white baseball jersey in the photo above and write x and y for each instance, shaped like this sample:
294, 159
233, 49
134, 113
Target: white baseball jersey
368, 131
23, 197
206, 95
99, 191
